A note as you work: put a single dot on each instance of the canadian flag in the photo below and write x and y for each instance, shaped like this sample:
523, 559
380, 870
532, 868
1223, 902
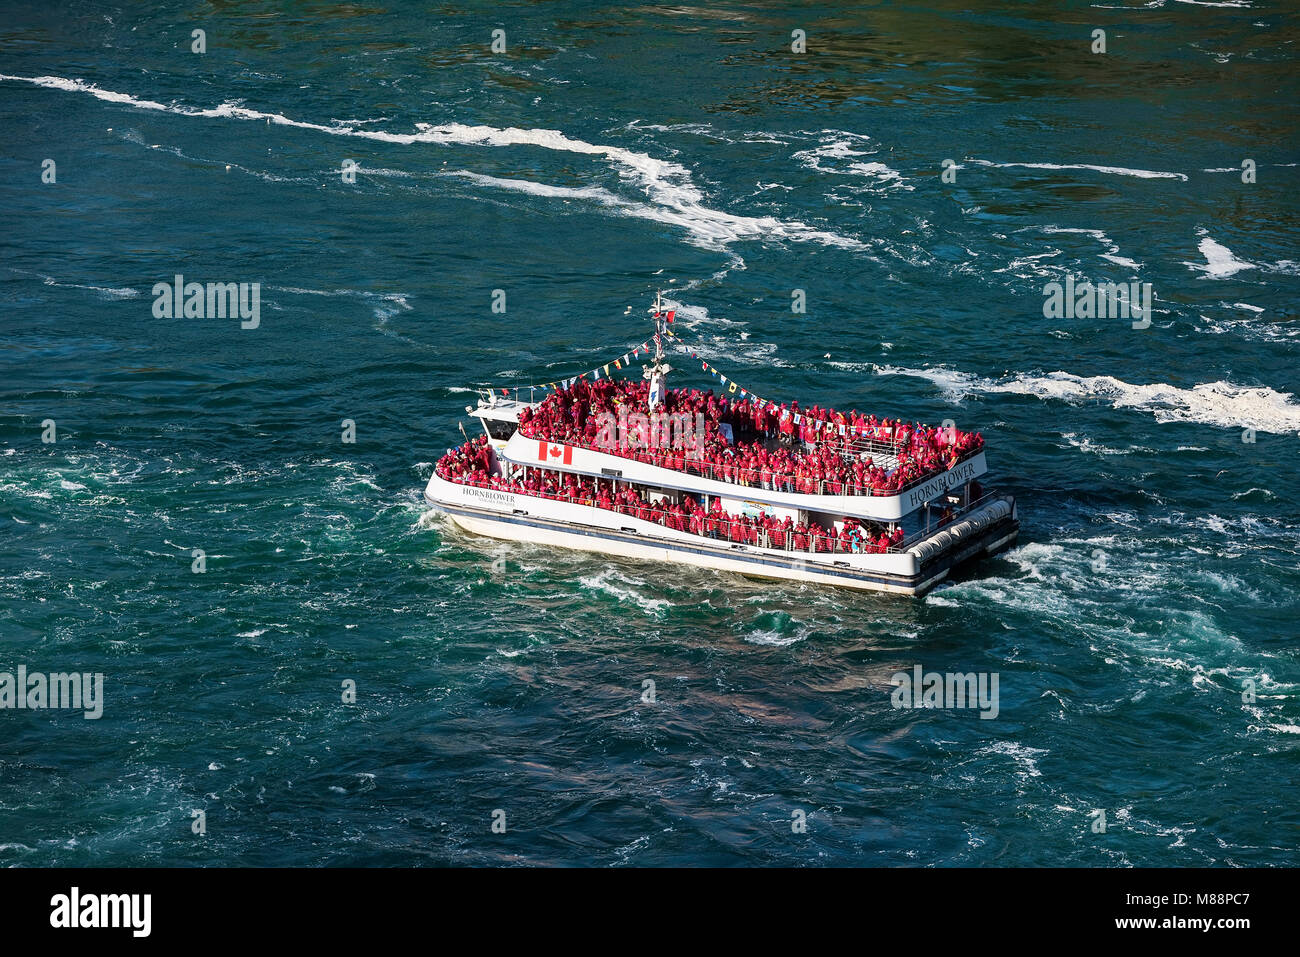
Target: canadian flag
547, 451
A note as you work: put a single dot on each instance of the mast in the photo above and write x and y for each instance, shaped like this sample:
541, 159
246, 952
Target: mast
657, 370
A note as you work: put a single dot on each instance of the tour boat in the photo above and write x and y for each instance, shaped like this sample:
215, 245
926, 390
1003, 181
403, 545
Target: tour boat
727, 481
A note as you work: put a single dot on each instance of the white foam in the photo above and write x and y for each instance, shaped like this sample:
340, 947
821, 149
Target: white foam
710, 228
734, 262
704, 129
394, 297
1112, 249
1220, 261
885, 175
1018, 266
1212, 403
694, 316
133, 137
385, 304
746, 353
667, 184
772, 638
106, 292
1243, 320
1085, 444
839, 158
1113, 170
1024, 756
610, 582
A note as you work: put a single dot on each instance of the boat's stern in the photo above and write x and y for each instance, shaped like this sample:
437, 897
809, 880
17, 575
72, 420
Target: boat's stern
981, 533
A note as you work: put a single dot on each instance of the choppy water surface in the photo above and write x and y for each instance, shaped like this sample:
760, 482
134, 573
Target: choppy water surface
609, 152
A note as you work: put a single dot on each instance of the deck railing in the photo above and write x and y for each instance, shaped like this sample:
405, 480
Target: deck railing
745, 477
722, 527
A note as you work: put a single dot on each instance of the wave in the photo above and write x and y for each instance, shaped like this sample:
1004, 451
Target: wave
105, 292
1113, 170
710, 228
133, 137
705, 129
722, 348
1213, 403
1024, 757
394, 297
667, 184
385, 305
838, 157
1246, 321
623, 588
774, 638
1112, 249
1085, 444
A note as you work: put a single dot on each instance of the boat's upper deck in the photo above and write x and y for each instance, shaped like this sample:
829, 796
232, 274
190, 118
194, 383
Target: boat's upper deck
782, 490
696, 441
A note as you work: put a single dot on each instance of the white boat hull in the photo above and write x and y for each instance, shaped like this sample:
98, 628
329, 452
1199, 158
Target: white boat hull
524, 518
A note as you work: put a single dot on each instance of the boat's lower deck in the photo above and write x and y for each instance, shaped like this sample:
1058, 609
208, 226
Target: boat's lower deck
543, 521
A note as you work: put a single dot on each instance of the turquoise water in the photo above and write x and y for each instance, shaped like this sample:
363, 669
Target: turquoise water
607, 153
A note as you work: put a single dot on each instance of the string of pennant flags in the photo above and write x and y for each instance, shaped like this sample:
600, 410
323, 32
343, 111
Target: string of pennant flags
600, 371
736, 390
733, 388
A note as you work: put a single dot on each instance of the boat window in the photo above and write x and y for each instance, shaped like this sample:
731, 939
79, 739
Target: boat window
499, 428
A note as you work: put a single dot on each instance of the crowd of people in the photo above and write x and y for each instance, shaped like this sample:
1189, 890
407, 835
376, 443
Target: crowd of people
766, 449
472, 464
